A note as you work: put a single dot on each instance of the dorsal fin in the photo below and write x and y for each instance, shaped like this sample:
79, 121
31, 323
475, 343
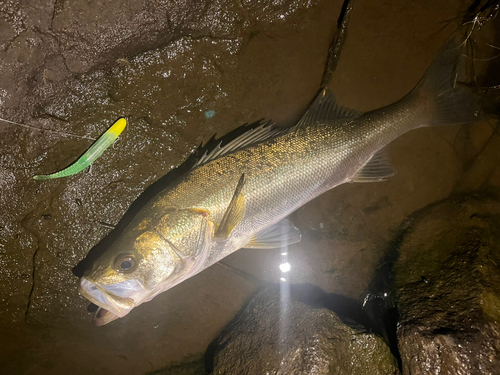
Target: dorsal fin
262, 132
325, 108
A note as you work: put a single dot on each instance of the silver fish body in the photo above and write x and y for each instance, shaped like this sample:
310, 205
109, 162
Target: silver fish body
238, 195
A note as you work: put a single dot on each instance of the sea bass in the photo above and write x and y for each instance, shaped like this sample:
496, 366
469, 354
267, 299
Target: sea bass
239, 194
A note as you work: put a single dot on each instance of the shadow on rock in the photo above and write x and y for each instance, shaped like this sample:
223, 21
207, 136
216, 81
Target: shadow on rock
379, 304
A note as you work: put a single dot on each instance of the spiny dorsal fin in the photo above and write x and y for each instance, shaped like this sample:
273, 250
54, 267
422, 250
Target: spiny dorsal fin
277, 235
235, 211
260, 133
325, 108
378, 168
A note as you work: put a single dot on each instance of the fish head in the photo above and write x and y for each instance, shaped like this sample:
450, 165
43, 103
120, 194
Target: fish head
146, 260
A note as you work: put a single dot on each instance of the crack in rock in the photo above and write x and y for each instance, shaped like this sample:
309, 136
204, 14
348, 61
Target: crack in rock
33, 278
25, 224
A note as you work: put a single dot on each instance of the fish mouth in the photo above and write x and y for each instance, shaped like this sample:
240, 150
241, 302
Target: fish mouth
103, 317
111, 305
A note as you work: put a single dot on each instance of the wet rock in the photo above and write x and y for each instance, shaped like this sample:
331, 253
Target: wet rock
187, 367
448, 275
96, 33
278, 334
92, 34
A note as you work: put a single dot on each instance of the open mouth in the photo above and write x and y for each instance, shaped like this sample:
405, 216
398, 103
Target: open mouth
114, 301
103, 316
97, 295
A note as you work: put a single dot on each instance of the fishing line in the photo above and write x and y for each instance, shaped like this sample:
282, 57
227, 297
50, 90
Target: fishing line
48, 130
40, 157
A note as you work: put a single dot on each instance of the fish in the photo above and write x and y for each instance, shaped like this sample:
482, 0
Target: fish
239, 194
91, 155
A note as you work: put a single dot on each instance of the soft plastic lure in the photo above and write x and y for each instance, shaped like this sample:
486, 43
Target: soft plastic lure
91, 154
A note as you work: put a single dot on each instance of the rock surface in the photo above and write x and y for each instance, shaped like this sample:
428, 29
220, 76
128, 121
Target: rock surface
75, 66
276, 334
448, 275
187, 367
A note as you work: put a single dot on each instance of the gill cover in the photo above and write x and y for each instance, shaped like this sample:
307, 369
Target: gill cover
187, 234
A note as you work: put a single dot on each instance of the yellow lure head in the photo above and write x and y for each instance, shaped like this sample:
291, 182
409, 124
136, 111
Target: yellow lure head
117, 128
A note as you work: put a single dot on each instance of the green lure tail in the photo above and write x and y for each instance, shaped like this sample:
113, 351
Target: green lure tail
91, 154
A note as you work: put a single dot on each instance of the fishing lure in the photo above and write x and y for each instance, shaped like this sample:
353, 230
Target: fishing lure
91, 154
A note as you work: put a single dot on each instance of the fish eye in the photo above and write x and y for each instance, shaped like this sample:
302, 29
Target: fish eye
125, 263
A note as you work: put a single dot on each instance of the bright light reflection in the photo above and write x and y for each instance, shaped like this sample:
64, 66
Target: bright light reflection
284, 302
285, 267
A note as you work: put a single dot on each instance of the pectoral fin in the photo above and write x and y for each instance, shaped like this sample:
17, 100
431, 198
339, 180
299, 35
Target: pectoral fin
377, 169
277, 235
235, 211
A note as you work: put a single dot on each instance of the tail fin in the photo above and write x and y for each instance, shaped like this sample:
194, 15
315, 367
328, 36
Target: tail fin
453, 102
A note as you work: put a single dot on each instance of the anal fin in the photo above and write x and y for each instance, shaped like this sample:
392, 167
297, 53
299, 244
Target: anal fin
378, 168
277, 235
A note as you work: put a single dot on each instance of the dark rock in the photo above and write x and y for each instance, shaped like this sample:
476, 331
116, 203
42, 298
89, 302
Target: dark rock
448, 276
280, 335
